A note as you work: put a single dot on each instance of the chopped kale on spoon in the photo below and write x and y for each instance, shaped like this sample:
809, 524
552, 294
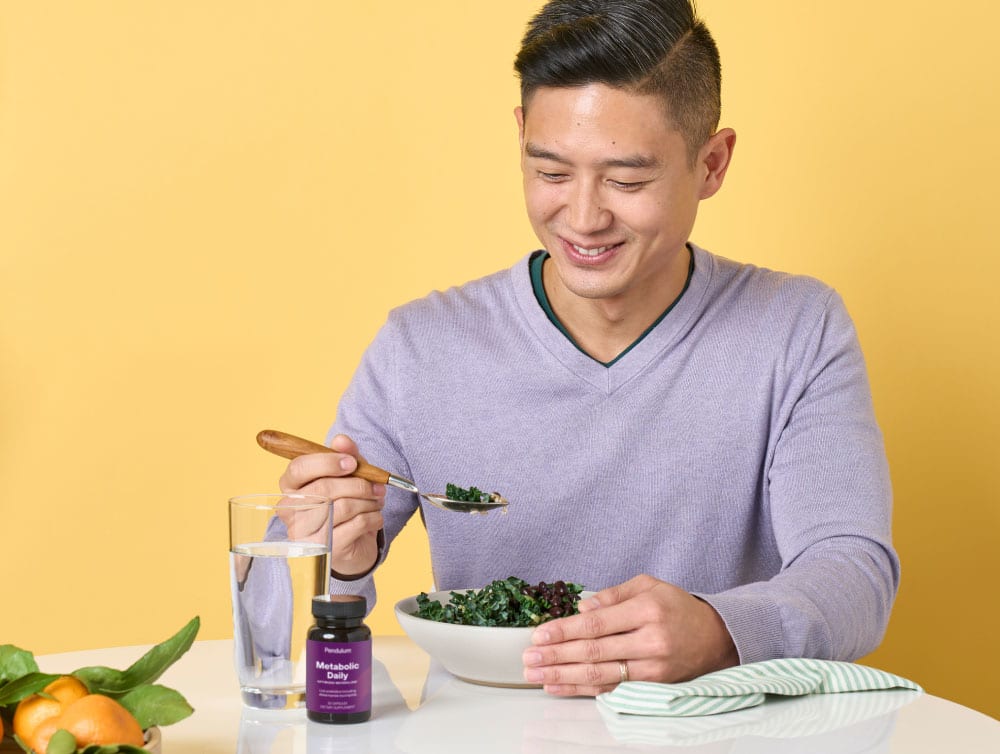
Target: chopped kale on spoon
511, 602
471, 495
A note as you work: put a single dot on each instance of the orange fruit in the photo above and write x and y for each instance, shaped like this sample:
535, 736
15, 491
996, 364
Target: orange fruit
31, 712
98, 719
39, 740
35, 711
66, 689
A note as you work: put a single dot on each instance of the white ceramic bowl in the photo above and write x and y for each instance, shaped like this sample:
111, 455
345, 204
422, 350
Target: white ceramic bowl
489, 655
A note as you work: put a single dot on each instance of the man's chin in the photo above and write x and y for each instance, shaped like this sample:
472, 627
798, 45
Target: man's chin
590, 287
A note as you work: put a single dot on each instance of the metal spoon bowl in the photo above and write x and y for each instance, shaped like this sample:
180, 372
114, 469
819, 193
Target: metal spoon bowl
289, 446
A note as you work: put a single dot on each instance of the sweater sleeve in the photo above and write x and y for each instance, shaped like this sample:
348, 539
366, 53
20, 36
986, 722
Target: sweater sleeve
829, 498
366, 414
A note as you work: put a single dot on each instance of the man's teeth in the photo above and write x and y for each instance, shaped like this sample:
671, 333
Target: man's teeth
591, 252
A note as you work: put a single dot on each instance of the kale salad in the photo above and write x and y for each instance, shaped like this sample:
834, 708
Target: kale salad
510, 602
471, 495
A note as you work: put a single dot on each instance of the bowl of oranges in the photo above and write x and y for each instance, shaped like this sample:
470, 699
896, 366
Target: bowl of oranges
90, 709
66, 709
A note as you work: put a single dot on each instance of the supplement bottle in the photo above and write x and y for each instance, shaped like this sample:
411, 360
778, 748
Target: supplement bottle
339, 661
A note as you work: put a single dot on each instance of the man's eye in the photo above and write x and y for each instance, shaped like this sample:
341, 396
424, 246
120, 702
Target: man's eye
551, 177
634, 186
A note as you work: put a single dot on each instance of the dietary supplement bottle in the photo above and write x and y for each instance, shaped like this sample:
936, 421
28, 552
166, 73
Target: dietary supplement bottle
339, 661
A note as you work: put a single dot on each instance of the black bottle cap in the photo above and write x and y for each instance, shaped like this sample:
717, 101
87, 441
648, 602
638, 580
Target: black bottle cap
339, 606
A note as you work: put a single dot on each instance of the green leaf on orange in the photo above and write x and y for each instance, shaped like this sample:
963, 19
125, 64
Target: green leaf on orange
146, 669
24, 686
156, 705
15, 662
62, 742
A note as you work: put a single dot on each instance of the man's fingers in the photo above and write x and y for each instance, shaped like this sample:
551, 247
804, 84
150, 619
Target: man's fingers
305, 469
565, 689
344, 444
587, 651
586, 679
617, 594
355, 528
303, 523
589, 625
345, 511
345, 491
351, 497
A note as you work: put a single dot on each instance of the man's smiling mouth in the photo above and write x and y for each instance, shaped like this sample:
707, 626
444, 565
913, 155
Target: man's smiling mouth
592, 251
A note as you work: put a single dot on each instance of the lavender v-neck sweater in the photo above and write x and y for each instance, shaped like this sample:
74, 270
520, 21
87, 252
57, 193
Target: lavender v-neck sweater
733, 452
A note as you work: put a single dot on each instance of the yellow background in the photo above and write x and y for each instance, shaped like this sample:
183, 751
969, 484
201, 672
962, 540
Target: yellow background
207, 208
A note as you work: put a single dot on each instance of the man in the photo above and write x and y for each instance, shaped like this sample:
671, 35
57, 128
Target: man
692, 437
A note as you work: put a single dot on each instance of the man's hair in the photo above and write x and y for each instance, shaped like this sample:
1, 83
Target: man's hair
647, 46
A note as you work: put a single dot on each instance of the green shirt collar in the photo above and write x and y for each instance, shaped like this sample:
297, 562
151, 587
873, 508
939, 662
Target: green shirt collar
536, 262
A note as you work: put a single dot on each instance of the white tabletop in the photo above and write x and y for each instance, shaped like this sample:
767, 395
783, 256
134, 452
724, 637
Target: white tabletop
419, 707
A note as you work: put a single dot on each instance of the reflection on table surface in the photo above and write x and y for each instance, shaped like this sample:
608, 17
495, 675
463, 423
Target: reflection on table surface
418, 707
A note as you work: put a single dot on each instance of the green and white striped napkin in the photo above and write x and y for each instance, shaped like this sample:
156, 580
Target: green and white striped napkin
746, 686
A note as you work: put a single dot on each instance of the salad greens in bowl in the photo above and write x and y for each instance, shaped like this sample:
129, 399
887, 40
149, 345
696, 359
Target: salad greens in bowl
479, 635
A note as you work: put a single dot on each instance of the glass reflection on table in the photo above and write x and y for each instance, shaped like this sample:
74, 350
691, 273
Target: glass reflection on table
452, 715
816, 723
530, 721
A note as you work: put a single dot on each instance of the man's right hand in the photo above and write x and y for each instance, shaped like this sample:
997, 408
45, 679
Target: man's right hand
357, 507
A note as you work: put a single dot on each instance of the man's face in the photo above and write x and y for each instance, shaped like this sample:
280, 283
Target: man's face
609, 191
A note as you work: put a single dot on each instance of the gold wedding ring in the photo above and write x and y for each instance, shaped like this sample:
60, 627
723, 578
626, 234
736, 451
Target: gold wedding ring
623, 670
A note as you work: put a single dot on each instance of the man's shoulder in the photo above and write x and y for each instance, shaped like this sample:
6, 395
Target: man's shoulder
486, 296
763, 286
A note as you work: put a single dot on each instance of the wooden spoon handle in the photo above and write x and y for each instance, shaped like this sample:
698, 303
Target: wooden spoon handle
289, 446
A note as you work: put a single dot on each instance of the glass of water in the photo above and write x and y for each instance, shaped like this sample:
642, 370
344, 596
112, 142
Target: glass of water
279, 559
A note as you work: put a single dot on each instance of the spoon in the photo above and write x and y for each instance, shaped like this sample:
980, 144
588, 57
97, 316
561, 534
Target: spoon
290, 446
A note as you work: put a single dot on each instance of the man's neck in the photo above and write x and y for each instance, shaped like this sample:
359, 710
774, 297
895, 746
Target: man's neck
604, 328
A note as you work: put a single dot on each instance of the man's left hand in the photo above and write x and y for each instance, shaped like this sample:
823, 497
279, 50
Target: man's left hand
642, 630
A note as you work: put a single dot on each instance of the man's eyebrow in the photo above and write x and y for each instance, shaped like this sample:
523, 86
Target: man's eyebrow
630, 161
533, 150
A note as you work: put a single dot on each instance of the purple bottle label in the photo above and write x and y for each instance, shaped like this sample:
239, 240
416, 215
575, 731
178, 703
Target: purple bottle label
338, 676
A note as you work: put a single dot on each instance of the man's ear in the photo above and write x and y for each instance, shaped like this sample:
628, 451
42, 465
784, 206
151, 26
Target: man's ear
519, 117
714, 159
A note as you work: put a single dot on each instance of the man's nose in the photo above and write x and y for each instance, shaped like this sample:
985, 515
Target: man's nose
585, 211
